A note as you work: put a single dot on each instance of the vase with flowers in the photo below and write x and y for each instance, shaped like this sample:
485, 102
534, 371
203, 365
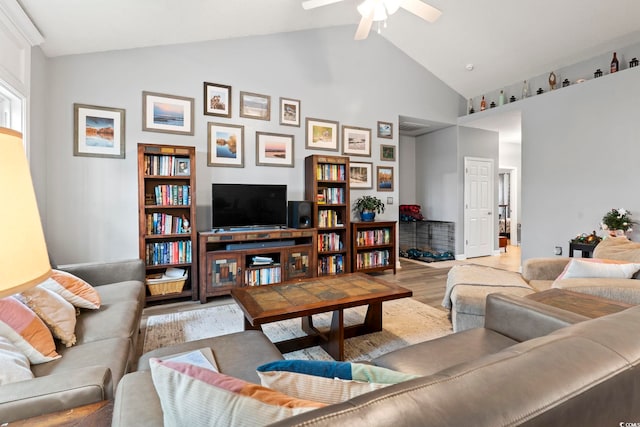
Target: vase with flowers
617, 222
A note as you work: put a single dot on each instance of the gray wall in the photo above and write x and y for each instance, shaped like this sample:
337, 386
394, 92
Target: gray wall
407, 169
90, 204
580, 151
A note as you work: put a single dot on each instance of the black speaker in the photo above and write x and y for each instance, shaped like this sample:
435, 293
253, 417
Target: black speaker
300, 214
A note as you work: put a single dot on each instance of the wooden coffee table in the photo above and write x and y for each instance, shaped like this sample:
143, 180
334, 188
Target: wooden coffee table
272, 303
587, 305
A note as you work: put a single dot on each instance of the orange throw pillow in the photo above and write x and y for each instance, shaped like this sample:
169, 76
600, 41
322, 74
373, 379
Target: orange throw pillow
73, 289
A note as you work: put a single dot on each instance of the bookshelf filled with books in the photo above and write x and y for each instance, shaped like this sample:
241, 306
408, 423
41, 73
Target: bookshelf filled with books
327, 185
166, 210
374, 246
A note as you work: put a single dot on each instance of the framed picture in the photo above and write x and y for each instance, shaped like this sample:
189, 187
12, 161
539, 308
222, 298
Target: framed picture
289, 112
225, 145
360, 175
322, 134
255, 106
384, 178
183, 166
274, 149
356, 141
98, 131
217, 100
167, 113
385, 130
388, 153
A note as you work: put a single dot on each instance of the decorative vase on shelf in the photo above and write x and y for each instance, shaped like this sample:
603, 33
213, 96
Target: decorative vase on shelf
367, 216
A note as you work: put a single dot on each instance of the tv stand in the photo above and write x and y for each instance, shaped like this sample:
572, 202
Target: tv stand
226, 257
248, 228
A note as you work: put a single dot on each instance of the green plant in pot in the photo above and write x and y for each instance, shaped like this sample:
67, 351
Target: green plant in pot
367, 207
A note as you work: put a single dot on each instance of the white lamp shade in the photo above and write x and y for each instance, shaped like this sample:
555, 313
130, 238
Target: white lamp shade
24, 261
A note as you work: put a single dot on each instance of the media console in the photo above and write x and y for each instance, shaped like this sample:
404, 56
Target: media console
229, 259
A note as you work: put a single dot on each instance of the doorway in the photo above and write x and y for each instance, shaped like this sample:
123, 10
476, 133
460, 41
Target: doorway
479, 183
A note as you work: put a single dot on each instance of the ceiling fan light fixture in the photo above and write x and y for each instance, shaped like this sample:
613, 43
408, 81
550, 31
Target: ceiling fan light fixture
377, 6
392, 6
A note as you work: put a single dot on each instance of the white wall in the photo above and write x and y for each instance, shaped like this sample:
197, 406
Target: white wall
580, 151
407, 169
91, 203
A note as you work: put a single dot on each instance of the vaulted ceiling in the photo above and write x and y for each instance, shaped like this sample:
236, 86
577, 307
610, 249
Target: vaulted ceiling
505, 40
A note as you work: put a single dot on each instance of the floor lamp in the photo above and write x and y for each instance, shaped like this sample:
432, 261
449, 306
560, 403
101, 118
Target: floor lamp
24, 260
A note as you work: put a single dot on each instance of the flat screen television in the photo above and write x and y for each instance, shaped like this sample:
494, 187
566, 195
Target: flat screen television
248, 205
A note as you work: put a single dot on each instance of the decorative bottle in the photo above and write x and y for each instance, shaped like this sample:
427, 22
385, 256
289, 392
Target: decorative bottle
483, 104
470, 109
501, 98
615, 65
525, 90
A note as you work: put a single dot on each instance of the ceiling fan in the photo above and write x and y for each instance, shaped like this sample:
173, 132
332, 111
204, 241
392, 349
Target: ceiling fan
379, 10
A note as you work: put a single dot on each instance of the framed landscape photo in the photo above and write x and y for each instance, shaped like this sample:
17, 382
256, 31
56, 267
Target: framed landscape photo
388, 153
322, 134
217, 100
289, 112
385, 130
98, 131
255, 106
225, 145
356, 141
384, 178
274, 149
360, 175
167, 113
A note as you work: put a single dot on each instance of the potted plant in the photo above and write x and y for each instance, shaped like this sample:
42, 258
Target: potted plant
367, 207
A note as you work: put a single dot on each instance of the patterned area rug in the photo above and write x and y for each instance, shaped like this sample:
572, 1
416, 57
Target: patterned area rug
405, 321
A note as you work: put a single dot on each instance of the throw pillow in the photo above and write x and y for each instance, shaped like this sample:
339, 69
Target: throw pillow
196, 396
73, 289
599, 268
26, 331
15, 365
326, 381
58, 314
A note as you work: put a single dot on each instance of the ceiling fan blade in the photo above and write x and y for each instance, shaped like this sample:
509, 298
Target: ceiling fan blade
312, 4
365, 25
423, 10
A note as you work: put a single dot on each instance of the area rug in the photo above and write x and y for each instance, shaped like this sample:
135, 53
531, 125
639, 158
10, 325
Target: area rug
405, 322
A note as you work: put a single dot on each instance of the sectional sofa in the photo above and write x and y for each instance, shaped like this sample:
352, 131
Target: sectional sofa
105, 347
530, 364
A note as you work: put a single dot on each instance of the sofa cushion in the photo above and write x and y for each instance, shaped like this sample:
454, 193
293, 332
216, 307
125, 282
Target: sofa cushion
58, 314
325, 381
619, 248
191, 395
109, 321
130, 290
15, 365
20, 325
599, 268
73, 289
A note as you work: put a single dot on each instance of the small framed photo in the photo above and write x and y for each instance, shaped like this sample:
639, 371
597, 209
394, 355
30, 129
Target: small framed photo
322, 134
98, 131
388, 153
225, 145
289, 112
183, 166
385, 130
167, 113
360, 175
384, 178
255, 106
356, 141
217, 100
274, 149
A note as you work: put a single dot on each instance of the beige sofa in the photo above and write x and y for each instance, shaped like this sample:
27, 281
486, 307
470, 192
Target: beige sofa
89, 371
531, 364
469, 285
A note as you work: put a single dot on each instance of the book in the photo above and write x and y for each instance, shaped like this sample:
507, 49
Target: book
202, 357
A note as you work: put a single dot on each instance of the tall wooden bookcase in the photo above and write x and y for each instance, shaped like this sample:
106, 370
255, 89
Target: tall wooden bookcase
327, 185
167, 214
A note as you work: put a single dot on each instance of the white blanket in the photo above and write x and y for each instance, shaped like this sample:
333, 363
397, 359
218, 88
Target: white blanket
479, 275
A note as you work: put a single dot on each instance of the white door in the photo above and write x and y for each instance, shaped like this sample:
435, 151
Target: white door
478, 207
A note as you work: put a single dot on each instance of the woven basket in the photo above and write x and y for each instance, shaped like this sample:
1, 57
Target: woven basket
165, 286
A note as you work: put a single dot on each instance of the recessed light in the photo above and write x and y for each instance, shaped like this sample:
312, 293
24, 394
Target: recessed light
469, 67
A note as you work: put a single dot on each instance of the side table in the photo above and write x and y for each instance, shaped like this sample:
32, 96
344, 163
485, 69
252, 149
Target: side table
585, 248
587, 305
